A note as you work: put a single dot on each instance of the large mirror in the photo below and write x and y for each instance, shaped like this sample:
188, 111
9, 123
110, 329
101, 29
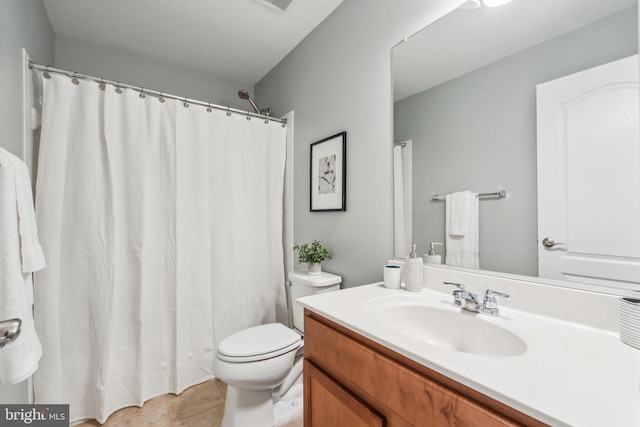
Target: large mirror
465, 113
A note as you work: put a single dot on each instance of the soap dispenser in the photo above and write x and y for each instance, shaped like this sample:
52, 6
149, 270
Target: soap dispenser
431, 254
413, 272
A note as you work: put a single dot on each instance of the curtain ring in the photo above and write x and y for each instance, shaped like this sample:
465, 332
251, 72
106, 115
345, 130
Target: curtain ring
142, 95
102, 86
284, 125
74, 80
161, 99
185, 104
228, 112
266, 121
248, 118
46, 74
209, 109
118, 89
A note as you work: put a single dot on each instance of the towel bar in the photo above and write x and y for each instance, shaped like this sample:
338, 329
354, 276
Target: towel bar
499, 194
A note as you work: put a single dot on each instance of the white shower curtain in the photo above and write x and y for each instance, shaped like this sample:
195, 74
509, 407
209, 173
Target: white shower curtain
402, 199
162, 227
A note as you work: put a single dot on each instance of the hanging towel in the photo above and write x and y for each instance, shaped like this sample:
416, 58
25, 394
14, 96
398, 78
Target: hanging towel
459, 204
462, 231
20, 255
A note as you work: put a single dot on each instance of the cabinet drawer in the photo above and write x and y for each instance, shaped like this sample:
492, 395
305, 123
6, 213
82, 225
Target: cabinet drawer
383, 381
327, 403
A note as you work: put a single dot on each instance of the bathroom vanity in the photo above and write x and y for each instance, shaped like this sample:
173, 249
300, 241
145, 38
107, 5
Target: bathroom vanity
385, 357
352, 381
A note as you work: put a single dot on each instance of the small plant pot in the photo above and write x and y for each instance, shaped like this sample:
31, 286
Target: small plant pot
315, 268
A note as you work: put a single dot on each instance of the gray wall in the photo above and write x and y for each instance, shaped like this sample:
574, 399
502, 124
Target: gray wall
478, 132
339, 79
133, 69
24, 24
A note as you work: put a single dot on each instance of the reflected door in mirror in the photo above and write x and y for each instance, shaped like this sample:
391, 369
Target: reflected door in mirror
589, 176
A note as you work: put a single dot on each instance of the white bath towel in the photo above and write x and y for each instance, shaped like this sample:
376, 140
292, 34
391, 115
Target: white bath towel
458, 212
20, 255
462, 230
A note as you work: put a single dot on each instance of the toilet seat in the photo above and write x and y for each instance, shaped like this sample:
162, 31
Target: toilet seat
258, 343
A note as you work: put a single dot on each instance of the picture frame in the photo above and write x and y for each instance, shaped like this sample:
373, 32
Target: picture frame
328, 174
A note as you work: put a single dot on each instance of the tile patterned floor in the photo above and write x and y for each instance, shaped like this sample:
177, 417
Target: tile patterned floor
198, 406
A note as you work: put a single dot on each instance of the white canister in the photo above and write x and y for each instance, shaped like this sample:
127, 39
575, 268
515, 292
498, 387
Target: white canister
392, 276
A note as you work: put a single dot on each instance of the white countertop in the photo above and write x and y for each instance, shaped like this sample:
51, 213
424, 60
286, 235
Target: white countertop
571, 374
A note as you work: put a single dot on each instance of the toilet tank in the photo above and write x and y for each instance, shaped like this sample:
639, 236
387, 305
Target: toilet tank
302, 284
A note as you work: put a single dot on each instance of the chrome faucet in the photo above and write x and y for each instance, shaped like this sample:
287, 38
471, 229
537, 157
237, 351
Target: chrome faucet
464, 299
469, 301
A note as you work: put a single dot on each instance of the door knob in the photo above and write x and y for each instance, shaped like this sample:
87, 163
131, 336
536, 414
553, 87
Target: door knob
549, 243
9, 331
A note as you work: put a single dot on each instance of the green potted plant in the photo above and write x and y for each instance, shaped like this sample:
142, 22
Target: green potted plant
313, 255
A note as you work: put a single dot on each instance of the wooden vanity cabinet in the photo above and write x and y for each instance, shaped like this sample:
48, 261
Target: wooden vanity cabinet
351, 381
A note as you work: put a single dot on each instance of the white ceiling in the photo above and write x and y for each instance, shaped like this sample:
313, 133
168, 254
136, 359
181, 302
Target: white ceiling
465, 40
240, 40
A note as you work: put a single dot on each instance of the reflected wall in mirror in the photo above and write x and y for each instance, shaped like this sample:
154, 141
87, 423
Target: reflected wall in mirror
465, 99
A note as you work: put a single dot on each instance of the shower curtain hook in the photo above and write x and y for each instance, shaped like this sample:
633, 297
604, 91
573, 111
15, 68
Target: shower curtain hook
209, 109
102, 86
248, 116
161, 99
185, 104
142, 95
118, 89
46, 74
228, 112
74, 80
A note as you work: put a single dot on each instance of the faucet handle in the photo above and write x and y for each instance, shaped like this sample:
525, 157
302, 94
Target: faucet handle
459, 286
457, 293
490, 303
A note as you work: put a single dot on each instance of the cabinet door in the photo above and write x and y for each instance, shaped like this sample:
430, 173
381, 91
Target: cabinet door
329, 404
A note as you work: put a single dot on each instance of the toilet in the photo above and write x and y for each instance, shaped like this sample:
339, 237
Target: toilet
262, 365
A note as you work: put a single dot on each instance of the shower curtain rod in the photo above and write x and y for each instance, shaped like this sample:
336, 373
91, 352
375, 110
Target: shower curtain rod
143, 91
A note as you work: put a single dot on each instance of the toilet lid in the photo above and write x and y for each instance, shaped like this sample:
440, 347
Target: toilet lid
258, 343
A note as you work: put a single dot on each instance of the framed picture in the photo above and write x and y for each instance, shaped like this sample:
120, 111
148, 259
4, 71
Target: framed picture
328, 180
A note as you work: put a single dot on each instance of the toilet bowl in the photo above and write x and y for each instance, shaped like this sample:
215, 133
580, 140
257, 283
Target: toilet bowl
262, 365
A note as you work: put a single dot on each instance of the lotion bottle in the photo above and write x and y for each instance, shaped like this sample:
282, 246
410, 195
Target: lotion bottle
413, 272
431, 254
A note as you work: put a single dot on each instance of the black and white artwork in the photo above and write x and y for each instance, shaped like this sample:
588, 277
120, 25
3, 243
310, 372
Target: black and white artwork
328, 174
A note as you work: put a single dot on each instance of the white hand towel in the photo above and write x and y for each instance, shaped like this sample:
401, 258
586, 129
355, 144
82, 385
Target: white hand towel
462, 249
31, 251
458, 204
20, 253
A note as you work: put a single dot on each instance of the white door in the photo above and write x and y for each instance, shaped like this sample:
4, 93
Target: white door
589, 176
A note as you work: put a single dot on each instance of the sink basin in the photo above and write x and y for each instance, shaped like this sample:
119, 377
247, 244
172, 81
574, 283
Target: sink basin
454, 330
437, 323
